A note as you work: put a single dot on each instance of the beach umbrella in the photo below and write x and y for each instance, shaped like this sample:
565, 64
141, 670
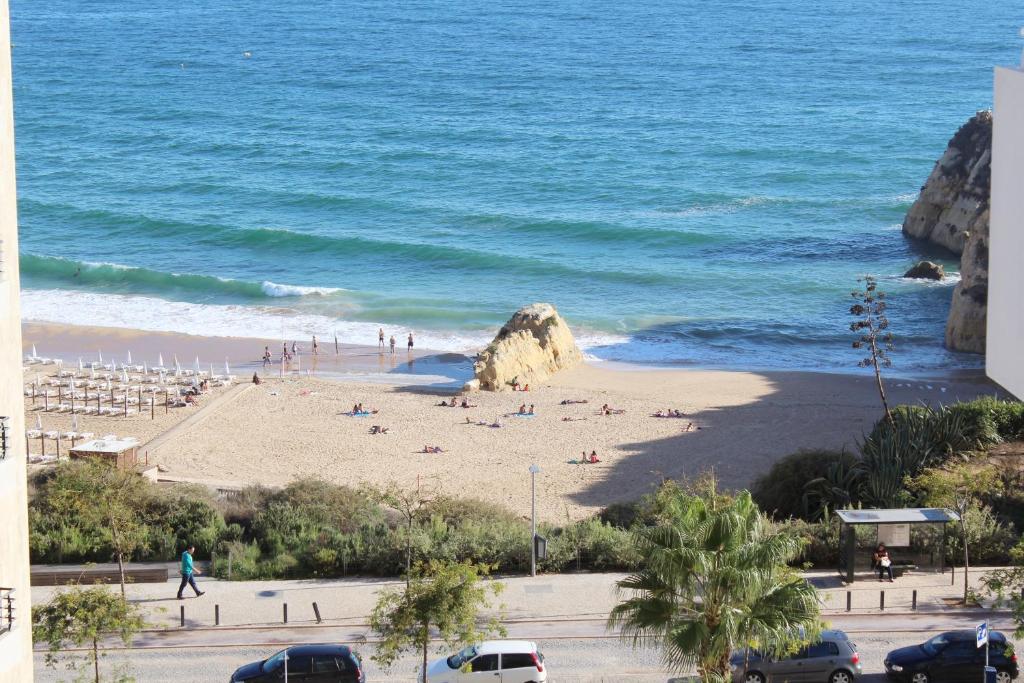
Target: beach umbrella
38, 380
211, 370
81, 365
124, 374
197, 365
227, 368
100, 354
92, 372
39, 423
160, 359
74, 423
129, 358
34, 355
145, 368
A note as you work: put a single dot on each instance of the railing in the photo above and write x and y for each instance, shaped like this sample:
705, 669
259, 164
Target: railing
6, 609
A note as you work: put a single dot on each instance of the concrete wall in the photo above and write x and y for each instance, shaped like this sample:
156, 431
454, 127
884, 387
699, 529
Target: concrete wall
15, 646
1005, 353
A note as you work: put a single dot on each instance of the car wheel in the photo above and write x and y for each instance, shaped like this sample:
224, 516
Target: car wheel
754, 677
1003, 676
919, 677
841, 676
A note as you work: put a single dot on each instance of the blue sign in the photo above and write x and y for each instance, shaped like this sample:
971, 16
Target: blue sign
982, 633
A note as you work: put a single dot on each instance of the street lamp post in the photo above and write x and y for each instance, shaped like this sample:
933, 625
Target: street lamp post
533, 519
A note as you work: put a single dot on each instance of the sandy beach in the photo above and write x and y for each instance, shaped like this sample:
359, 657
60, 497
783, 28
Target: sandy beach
295, 425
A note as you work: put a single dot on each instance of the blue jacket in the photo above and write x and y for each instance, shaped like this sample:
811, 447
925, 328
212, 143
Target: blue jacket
186, 563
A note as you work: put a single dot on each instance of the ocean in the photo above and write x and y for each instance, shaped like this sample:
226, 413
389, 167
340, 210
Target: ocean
690, 183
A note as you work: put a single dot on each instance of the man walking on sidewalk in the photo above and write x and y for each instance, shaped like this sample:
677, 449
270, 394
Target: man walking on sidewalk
187, 571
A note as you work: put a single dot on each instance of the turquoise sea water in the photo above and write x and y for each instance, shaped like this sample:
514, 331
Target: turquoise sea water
689, 182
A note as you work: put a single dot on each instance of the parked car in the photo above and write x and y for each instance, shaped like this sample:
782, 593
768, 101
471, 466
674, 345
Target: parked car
833, 659
306, 664
952, 657
494, 661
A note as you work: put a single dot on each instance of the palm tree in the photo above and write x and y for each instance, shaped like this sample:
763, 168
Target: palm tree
715, 578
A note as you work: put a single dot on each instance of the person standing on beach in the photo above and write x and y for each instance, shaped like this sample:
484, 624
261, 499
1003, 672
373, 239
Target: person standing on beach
392, 345
315, 347
187, 572
266, 356
410, 342
380, 338
295, 347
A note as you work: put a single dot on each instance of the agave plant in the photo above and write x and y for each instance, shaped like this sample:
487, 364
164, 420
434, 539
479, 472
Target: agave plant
839, 488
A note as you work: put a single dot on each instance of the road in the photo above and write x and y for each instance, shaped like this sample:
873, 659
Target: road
577, 650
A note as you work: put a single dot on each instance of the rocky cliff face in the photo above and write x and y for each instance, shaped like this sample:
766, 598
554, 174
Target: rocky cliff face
535, 344
952, 211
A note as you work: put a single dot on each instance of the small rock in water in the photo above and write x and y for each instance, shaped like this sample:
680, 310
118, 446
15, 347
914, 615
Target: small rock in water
926, 270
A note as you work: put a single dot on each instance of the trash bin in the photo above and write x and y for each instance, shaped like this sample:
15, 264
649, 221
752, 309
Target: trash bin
990, 674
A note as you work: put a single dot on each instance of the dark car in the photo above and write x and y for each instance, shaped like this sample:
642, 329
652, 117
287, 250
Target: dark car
832, 659
306, 664
952, 657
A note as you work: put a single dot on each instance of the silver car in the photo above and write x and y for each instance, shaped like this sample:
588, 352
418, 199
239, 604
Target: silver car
832, 659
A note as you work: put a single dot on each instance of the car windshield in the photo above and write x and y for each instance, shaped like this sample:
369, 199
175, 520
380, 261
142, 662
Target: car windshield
275, 662
456, 661
934, 645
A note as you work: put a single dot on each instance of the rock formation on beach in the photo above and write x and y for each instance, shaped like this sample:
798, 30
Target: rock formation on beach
952, 211
926, 270
533, 345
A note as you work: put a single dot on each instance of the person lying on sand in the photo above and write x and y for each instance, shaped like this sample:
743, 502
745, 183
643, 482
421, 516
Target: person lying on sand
433, 449
467, 404
608, 410
572, 401
377, 429
191, 400
443, 404
574, 419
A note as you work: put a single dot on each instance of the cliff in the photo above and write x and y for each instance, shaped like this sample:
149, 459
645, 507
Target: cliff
952, 211
533, 345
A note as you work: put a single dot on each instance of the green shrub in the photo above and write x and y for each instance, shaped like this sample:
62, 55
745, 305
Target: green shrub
781, 491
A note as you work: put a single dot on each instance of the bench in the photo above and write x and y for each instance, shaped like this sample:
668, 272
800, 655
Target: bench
63, 576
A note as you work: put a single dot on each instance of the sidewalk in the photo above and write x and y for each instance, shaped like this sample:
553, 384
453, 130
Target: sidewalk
584, 597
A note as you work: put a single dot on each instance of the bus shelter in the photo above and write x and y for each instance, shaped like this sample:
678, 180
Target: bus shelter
915, 538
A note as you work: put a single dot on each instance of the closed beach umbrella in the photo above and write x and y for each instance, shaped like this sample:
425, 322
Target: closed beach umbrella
129, 358
92, 372
100, 354
211, 370
124, 374
145, 368
160, 359
227, 368
81, 365
34, 355
197, 365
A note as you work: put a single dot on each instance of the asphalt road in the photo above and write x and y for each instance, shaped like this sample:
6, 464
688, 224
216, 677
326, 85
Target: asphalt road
576, 651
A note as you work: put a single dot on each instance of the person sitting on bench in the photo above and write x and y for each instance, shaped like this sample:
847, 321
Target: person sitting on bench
881, 561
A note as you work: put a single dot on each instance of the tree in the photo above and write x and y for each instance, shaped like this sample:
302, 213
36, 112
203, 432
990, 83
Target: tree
439, 596
100, 495
873, 327
959, 487
411, 505
714, 578
84, 615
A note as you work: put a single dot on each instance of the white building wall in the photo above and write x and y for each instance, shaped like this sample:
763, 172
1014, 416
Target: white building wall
1005, 348
15, 645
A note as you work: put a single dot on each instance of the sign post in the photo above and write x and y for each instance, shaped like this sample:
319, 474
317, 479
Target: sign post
981, 632
533, 519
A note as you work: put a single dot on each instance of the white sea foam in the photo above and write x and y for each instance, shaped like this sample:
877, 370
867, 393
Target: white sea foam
158, 315
275, 289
